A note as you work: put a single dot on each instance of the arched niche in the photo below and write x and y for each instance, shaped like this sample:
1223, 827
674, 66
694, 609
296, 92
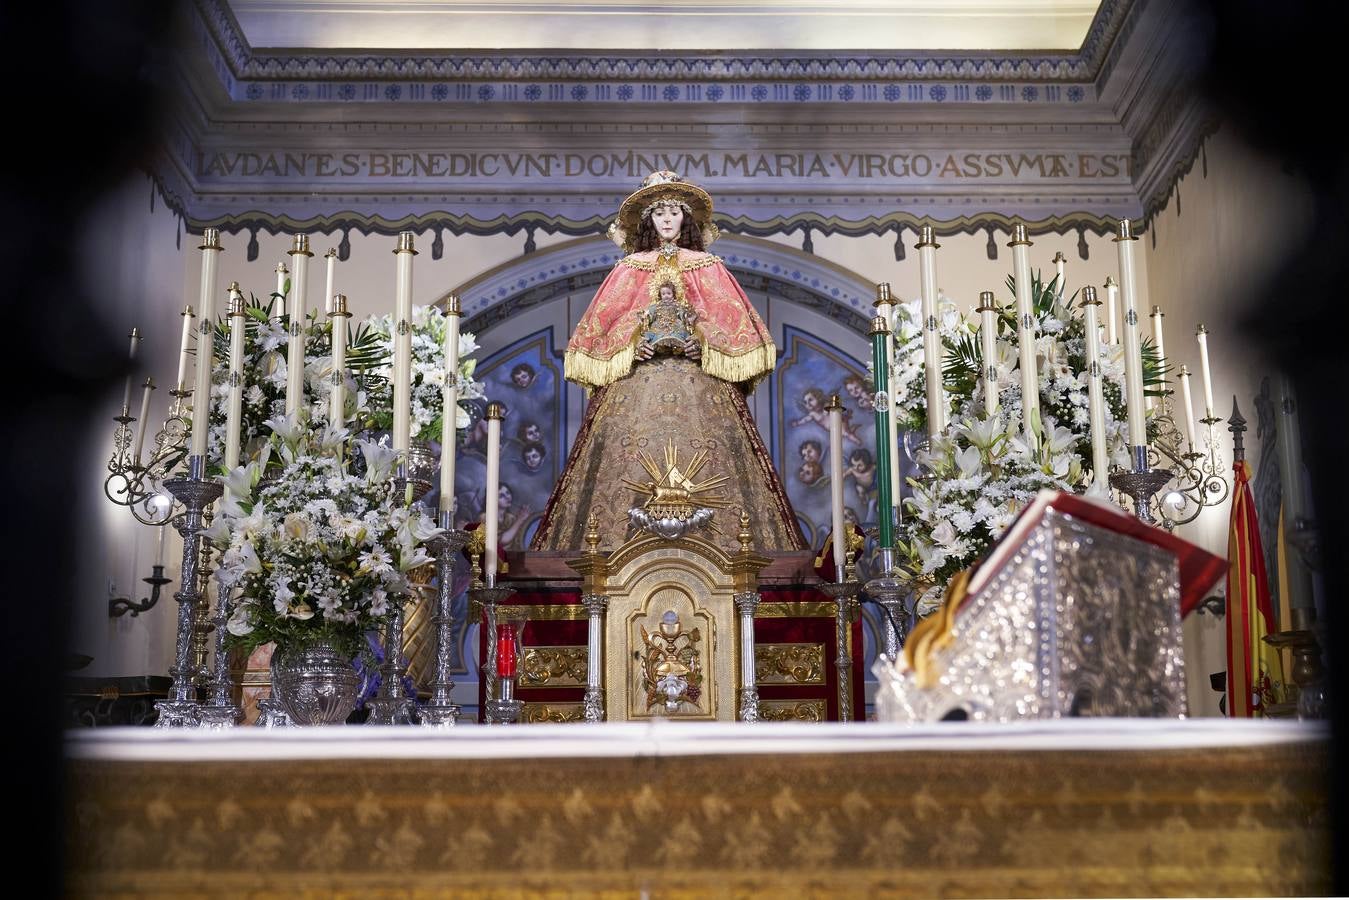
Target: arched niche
819, 314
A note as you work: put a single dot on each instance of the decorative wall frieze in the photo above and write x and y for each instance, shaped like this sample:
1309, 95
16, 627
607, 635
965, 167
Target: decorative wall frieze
378, 143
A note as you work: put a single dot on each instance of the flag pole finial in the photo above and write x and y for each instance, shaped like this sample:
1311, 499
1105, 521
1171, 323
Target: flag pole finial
1237, 425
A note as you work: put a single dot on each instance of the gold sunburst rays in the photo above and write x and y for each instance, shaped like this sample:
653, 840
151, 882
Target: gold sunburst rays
675, 493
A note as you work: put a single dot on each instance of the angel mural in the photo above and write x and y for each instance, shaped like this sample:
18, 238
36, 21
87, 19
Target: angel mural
670, 347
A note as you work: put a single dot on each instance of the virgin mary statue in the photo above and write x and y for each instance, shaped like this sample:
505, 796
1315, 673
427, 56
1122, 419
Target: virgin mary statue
670, 347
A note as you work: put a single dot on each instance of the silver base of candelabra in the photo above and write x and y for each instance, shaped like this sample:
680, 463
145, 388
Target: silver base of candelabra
220, 717
1142, 486
441, 711
181, 709
272, 715
178, 714
504, 712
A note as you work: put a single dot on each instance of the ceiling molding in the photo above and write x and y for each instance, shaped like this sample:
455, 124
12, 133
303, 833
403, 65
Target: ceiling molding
214, 20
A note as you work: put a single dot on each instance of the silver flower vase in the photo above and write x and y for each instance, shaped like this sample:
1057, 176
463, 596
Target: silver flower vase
316, 685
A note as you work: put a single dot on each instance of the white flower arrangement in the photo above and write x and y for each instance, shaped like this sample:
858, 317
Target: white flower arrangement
313, 552
428, 373
981, 471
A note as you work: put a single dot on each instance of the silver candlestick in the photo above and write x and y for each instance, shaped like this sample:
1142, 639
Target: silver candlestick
441, 711
488, 599
843, 591
392, 705
180, 709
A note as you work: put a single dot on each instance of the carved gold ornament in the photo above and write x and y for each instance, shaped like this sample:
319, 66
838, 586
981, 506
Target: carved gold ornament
672, 669
676, 503
789, 664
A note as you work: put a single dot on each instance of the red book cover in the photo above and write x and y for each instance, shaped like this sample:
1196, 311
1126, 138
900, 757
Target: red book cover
1199, 569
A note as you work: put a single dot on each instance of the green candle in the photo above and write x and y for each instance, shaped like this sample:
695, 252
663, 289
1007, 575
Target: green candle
880, 333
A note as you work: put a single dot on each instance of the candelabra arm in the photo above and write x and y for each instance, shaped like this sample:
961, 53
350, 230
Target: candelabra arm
121, 606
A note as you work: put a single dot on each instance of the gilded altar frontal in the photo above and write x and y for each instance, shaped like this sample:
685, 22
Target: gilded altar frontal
770, 448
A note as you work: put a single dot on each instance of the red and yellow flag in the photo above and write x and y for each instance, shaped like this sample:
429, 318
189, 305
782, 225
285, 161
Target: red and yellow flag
1253, 666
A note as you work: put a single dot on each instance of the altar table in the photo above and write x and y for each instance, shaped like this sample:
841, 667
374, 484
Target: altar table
1084, 807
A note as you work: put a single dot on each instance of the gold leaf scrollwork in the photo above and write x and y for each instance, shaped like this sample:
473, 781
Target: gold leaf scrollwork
792, 710
789, 663
554, 667
552, 712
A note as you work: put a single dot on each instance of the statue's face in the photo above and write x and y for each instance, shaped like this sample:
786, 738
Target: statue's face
668, 219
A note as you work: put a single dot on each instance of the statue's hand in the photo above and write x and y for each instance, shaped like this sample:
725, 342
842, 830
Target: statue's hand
693, 349
645, 351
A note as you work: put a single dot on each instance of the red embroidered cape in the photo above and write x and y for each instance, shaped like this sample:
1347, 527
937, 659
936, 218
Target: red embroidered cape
736, 345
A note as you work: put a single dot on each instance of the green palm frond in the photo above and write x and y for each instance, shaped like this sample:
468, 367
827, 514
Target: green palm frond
365, 349
1154, 371
961, 362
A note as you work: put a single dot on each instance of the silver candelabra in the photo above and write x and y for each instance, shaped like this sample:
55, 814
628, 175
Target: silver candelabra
195, 493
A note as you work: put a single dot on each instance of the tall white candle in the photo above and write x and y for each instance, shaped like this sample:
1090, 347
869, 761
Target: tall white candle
135, 337
1100, 459
201, 392
489, 564
1025, 332
449, 398
1111, 311
184, 350
927, 283
299, 293
840, 541
282, 292
1133, 346
1186, 398
402, 343
884, 308
1201, 334
331, 258
234, 411
159, 545
337, 398
1160, 340
149, 388
1059, 262
988, 338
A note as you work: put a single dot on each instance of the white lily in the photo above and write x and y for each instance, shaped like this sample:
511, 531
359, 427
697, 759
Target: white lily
379, 460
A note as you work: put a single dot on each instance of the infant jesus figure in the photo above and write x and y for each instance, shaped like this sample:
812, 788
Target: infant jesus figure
667, 328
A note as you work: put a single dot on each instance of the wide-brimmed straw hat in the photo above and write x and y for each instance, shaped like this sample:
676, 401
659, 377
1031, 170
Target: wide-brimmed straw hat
657, 186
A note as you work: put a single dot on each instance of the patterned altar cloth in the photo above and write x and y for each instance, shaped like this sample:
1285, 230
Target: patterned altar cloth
1062, 808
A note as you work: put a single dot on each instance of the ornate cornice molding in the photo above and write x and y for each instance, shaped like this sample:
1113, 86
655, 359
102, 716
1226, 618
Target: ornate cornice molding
247, 64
